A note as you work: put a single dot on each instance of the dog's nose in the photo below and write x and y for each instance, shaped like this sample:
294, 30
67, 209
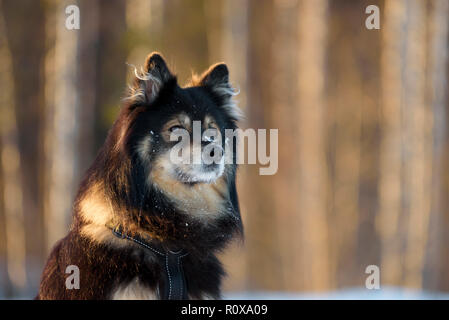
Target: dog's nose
212, 154
216, 151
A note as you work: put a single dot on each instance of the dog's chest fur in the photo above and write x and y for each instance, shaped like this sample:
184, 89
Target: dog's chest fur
129, 272
134, 290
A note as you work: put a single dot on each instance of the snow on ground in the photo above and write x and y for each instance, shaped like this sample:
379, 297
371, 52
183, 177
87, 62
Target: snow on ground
386, 293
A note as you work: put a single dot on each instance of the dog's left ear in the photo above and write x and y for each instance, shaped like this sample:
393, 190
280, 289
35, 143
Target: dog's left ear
216, 78
156, 66
151, 79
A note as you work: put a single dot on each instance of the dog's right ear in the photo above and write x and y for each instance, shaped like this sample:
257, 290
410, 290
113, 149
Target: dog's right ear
217, 80
151, 79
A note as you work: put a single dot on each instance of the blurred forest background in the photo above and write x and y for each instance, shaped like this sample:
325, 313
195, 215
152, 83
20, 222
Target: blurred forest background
362, 116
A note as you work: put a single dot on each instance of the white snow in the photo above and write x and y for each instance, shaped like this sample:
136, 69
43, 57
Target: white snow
385, 293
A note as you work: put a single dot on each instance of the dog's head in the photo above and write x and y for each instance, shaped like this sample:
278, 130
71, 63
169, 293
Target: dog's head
178, 134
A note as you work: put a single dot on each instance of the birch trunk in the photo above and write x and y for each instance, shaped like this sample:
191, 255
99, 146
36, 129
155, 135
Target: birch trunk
62, 126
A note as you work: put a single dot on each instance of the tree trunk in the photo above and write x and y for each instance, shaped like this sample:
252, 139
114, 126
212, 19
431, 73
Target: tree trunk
311, 132
418, 143
284, 116
27, 60
261, 228
390, 188
88, 55
10, 171
437, 264
62, 126
111, 66
352, 97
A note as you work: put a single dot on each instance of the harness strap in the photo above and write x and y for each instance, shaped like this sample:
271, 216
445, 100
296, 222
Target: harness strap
175, 282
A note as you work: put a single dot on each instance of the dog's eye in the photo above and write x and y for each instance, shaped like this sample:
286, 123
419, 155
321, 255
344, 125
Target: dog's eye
175, 128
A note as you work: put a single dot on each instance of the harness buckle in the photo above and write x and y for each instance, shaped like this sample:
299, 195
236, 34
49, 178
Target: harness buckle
117, 232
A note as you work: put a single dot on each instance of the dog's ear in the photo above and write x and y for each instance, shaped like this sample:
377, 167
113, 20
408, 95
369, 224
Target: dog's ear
216, 78
156, 66
151, 79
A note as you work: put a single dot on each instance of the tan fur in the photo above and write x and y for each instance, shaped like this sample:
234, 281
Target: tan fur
203, 297
120, 139
143, 149
98, 213
201, 199
209, 122
181, 119
133, 291
94, 207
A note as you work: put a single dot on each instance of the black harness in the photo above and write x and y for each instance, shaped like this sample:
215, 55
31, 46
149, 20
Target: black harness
175, 282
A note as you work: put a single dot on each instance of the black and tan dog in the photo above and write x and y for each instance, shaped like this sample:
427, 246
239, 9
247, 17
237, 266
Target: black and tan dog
145, 227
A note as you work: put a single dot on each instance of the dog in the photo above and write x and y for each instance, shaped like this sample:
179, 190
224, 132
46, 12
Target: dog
145, 226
